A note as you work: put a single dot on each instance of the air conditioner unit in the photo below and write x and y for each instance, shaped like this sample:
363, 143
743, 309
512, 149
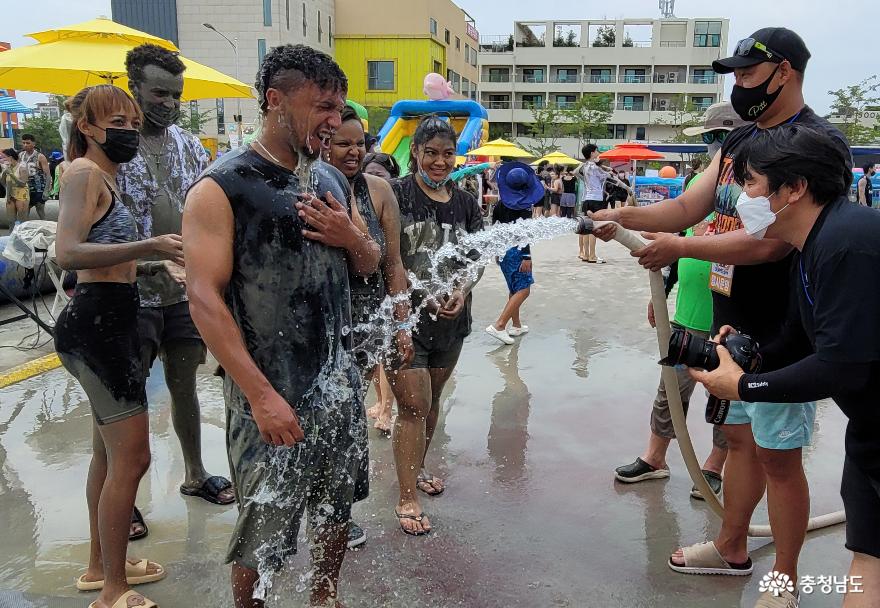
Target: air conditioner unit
662, 104
672, 77
661, 78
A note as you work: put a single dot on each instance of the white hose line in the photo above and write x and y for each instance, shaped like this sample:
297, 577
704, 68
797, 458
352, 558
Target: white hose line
632, 242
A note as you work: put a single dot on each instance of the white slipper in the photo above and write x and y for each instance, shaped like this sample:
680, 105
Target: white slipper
517, 331
500, 334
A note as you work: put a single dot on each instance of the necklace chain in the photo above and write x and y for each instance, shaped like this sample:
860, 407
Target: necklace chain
266, 150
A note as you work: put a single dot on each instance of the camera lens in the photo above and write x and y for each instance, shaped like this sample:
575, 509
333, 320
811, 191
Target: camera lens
687, 349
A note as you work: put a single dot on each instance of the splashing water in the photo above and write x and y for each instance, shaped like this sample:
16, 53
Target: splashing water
451, 266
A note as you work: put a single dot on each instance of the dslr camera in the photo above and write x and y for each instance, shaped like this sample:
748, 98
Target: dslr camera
693, 351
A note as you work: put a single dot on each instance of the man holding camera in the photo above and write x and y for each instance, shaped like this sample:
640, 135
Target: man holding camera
796, 183
749, 280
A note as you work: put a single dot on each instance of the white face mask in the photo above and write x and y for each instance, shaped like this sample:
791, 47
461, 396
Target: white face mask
756, 214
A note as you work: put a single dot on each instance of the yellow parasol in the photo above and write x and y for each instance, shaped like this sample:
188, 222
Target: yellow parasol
101, 30
558, 158
73, 61
496, 147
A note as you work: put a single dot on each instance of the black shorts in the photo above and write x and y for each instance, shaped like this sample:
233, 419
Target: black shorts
36, 197
593, 206
97, 341
861, 500
162, 324
433, 358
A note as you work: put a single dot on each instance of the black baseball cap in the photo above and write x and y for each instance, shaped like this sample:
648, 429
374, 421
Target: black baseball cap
773, 44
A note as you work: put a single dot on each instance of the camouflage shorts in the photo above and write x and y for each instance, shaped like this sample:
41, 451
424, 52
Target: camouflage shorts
275, 486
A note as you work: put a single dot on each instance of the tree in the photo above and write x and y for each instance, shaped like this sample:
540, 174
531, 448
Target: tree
605, 36
45, 130
378, 118
850, 103
682, 113
569, 39
627, 40
192, 120
547, 128
589, 115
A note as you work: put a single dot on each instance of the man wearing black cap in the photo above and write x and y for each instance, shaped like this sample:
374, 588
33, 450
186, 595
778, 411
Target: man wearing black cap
750, 283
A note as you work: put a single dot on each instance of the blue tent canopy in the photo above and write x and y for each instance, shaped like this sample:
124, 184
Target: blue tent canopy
12, 105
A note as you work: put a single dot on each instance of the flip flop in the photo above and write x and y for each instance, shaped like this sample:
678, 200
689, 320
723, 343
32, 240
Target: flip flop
704, 558
138, 518
209, 490
135, 574
417, 518
428, 479
130, 599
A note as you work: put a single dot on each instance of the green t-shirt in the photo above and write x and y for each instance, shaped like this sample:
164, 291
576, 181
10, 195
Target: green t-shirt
693, 302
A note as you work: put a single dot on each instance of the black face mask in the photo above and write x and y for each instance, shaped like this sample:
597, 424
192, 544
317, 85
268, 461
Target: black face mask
120, 145
161, 115
751, 103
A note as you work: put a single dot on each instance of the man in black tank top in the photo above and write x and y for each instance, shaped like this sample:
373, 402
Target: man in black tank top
268, 266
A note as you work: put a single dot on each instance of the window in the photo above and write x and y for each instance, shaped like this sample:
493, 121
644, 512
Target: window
261, 49
707, 33
631, 75
438, 67
465, 86
633, 102
467, 53
702, 102
432, 24
305, 23
533, 74
474, 57
640, 133
287, 13
320, 29
446, 36
565, 101
532, 101
457, 43
619, 131
456, 82
380, 75
567, 75
267, 12
499, 75
474, 91
499, 102
601, 75
704, 76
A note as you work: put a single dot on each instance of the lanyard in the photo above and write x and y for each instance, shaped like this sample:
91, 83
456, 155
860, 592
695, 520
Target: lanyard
805, 281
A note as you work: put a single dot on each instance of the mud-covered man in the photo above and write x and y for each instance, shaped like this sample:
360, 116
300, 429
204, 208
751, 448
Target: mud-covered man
268, 265
153, 186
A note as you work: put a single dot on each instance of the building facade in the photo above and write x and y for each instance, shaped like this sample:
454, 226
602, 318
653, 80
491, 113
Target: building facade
654, 74
253, 26
386, 47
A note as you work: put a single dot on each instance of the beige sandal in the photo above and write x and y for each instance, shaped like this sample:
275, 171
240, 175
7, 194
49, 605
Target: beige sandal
135, 574
704, 558
130, 599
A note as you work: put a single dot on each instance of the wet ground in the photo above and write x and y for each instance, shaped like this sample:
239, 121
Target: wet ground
528, 441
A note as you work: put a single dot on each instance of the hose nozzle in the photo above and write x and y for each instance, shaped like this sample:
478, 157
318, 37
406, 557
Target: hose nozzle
584, 225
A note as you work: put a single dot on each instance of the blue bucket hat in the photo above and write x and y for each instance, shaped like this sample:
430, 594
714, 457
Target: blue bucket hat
518, 186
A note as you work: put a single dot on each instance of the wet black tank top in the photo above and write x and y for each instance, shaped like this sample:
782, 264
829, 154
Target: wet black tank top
288, 295
367, 292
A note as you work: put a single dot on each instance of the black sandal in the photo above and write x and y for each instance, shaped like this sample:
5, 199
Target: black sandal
210, 490
417, 518
137, 518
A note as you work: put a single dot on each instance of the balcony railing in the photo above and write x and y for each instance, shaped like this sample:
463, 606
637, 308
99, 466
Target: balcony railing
496, 77
705, 79
672, 44
639, 44
537, 42
529, 105
600, 78
565, 79
496, 44
496, 105
531, 78
664, 77
634, 79
631, 106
